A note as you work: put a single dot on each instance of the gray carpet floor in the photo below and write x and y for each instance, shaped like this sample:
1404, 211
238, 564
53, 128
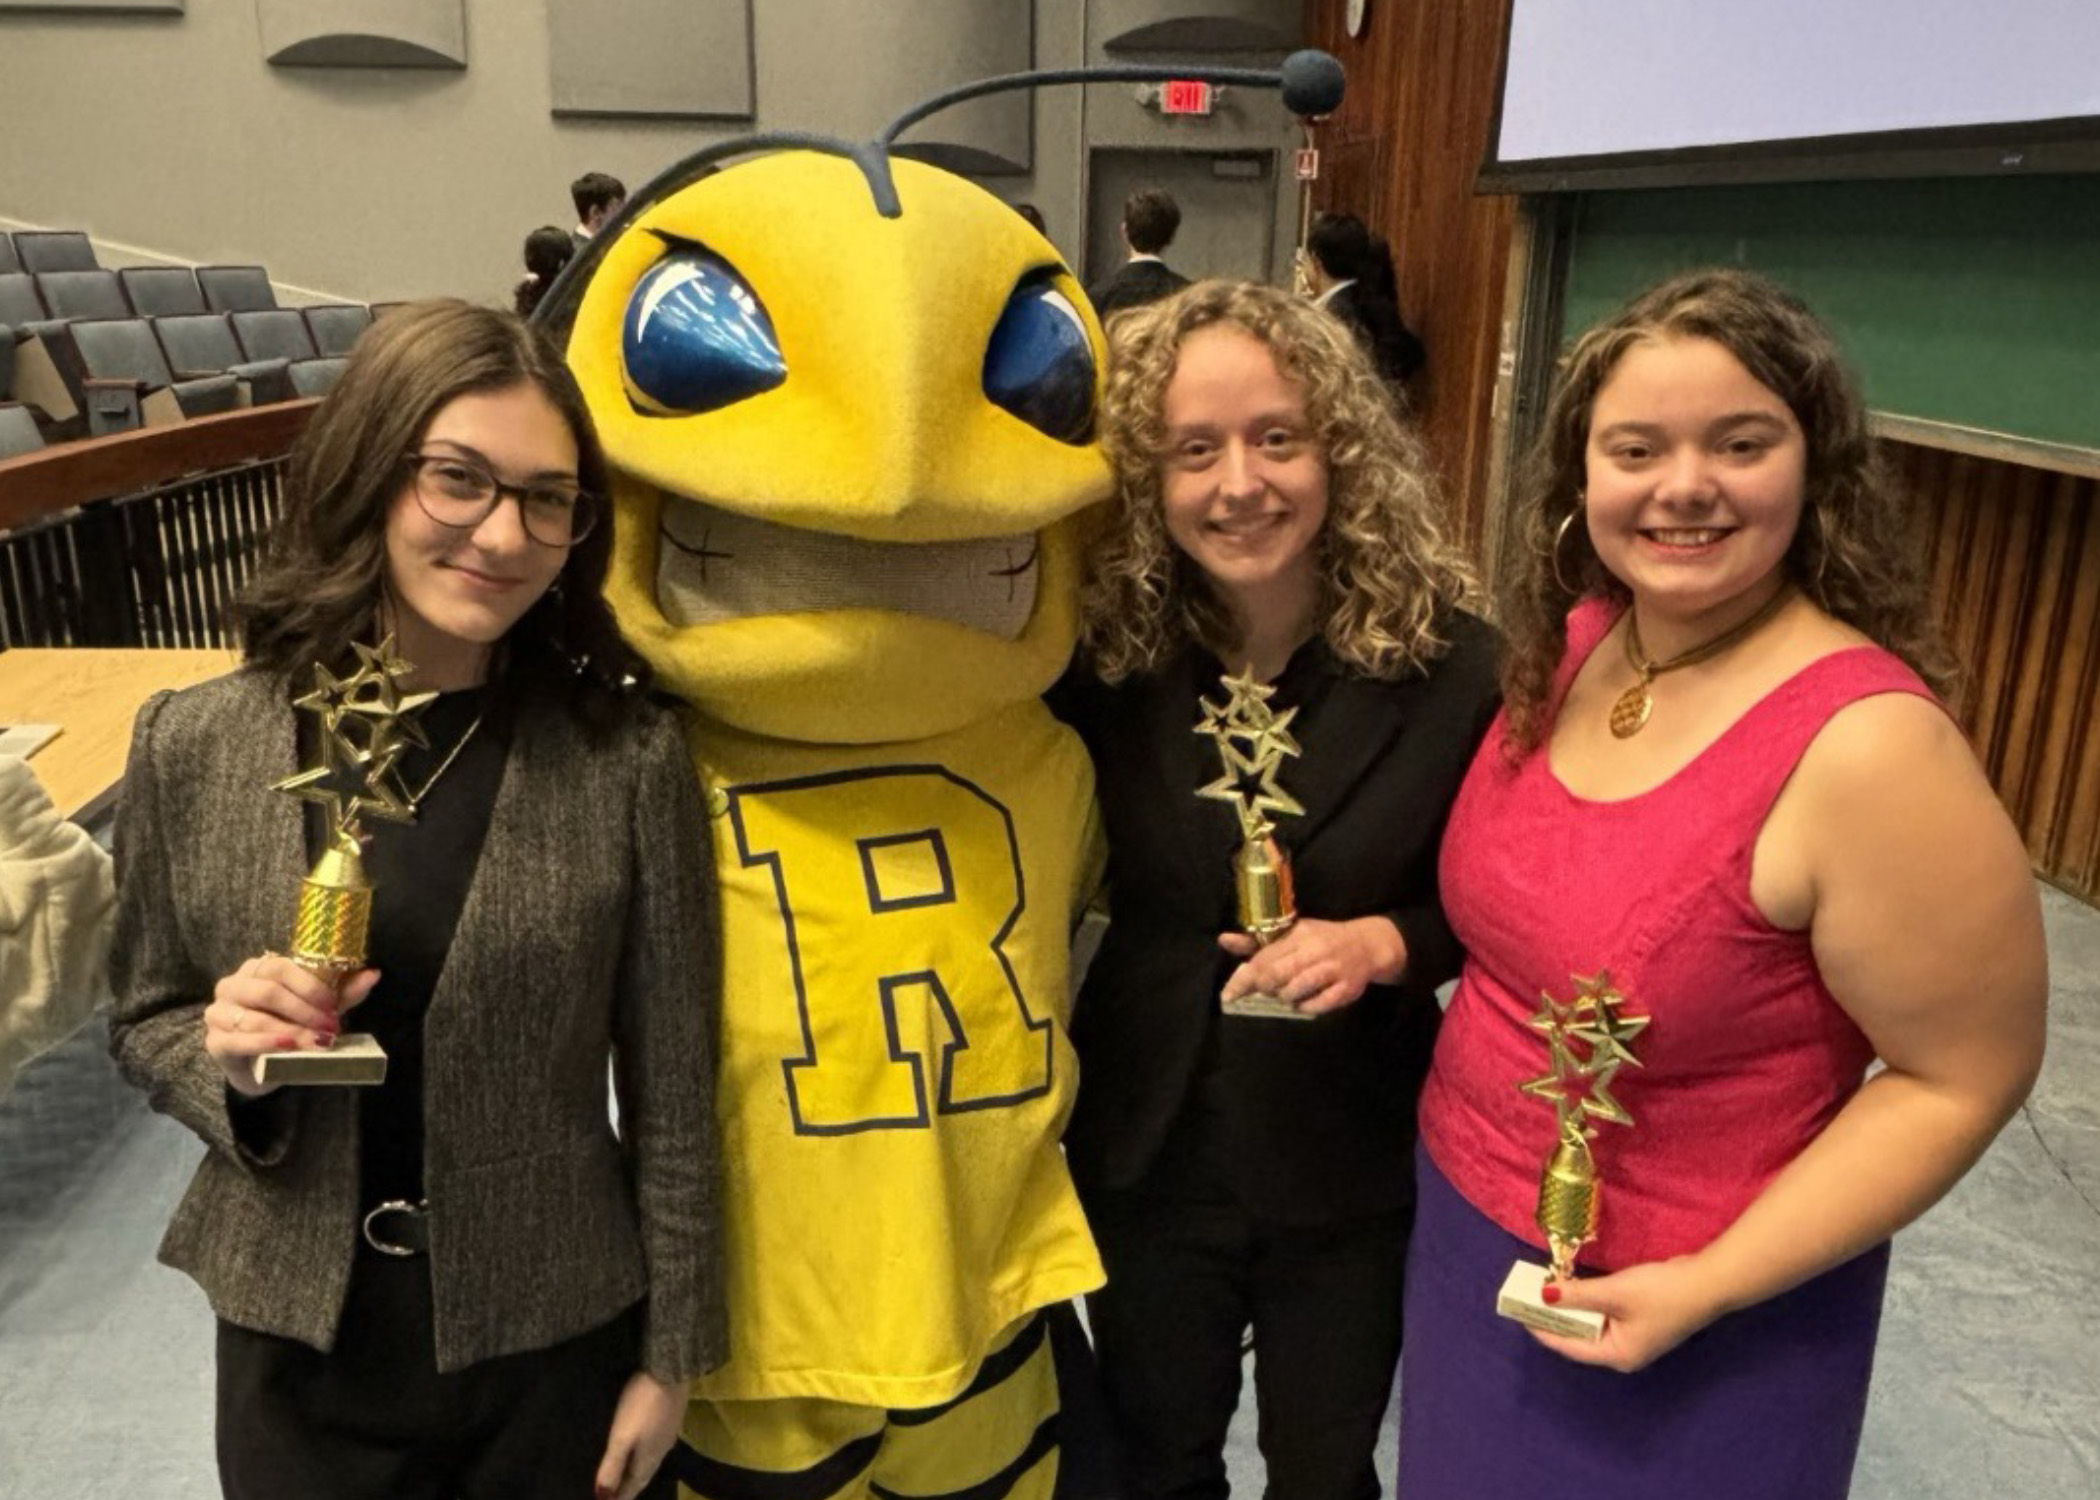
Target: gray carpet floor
1988, 1381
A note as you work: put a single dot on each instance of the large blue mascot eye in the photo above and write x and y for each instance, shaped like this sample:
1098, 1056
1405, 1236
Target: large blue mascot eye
696, 338
1040, 364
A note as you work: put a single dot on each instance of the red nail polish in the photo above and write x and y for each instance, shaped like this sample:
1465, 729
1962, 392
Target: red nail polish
1550, 1292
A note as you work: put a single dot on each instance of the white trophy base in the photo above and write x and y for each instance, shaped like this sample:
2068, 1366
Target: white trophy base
1265, 1008
1519, 1300
355, 1058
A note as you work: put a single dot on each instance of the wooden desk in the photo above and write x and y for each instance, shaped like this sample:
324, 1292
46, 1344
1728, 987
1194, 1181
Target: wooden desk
94, 695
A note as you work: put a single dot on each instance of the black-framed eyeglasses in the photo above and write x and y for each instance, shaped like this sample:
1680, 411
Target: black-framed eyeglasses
461, 492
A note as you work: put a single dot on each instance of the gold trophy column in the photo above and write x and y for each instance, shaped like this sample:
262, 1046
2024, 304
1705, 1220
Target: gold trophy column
1586, 1045
366, 724
1253, 740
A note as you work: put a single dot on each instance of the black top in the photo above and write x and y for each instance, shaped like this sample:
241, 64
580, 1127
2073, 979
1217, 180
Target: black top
420, 873
1315, 1119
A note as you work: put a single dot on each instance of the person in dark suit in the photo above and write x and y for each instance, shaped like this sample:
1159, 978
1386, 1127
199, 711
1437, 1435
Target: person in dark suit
1274, 519
597, 196
1150, 219
1352, 277
460, 1281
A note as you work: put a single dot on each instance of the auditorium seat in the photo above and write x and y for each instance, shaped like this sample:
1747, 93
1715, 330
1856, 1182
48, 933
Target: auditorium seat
34, 338
199, 344
55, 250
276, 333
317, 377
235, 288
127, 383
9, 261
21, 304
335, 327
84, 294
18, 431
162, 291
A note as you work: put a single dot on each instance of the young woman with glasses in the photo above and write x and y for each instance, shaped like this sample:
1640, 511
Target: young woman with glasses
464, 1280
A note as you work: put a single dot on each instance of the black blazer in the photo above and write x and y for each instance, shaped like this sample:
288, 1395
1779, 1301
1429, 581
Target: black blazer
1315, 1119
1133, 285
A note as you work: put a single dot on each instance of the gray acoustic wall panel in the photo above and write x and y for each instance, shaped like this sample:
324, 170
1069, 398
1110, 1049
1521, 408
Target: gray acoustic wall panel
921, 49
686, 59
363, 33
143, 7
1198, 25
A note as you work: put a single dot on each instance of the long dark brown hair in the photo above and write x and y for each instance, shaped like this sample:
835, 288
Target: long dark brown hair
1856, 554
322, 582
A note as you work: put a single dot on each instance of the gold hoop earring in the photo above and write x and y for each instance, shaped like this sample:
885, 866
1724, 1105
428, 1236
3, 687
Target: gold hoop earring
1560, 535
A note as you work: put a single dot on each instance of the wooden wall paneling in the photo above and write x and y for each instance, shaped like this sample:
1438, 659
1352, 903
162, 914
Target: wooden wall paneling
1421, 88
2065, 772
2014, 563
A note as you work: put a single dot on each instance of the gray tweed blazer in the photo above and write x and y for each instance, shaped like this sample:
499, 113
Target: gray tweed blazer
587, 934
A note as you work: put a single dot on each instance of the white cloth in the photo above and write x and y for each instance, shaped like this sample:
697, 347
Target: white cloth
1328, 296
57, 899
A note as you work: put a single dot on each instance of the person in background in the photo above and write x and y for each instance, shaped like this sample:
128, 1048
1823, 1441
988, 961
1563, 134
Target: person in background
460, 1281
56, 901
1034, 216
1150, 219
1273, 519
597, 197
547, 250
1723, 789
1352, 277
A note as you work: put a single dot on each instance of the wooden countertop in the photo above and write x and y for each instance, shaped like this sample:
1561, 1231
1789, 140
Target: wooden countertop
93, 695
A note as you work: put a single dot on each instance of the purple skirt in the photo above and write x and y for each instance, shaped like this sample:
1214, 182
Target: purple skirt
1764, 1403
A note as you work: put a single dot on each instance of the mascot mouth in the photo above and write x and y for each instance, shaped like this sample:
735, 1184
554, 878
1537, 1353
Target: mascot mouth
719, 565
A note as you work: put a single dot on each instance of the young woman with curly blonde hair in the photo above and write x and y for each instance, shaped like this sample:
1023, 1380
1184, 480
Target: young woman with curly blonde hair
1274, 520
1723, 792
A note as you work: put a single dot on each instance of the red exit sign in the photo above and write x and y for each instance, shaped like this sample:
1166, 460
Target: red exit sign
1185, 96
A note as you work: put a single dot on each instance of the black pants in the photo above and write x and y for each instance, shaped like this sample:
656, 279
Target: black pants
374, 1420
1188, 1272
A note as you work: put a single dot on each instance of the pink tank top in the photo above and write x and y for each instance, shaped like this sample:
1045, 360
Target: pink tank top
1746, 1056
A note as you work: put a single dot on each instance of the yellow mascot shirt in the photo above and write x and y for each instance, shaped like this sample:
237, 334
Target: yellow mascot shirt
895, 1069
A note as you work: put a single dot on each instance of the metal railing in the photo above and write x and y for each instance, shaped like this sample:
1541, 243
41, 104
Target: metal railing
144, 539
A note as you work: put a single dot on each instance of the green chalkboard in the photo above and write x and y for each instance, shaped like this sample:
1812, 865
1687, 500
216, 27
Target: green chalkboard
1973, 302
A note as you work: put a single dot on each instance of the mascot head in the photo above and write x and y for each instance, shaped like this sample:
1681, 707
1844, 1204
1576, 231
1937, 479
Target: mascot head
849, 401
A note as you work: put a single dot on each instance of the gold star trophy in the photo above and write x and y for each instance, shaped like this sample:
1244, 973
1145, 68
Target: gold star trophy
367, 722
1252, 741
1586, 1045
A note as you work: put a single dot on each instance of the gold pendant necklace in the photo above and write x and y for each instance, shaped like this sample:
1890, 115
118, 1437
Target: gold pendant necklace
1630, 710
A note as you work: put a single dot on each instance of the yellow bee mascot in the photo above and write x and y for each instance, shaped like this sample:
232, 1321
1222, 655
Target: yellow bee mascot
849, 400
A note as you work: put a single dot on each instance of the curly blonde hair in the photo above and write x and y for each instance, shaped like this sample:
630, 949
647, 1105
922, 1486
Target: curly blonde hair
1388, 577
1855, 555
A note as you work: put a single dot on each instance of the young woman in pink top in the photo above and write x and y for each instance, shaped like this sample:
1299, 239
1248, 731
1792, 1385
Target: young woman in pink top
1721, 776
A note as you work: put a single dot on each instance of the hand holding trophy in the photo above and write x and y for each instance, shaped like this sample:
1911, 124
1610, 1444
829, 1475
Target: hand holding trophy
1586, 1045
366, 724
1252, 741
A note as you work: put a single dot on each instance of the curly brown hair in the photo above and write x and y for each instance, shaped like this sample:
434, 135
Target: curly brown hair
323, 577
1855, 555
1388, 577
